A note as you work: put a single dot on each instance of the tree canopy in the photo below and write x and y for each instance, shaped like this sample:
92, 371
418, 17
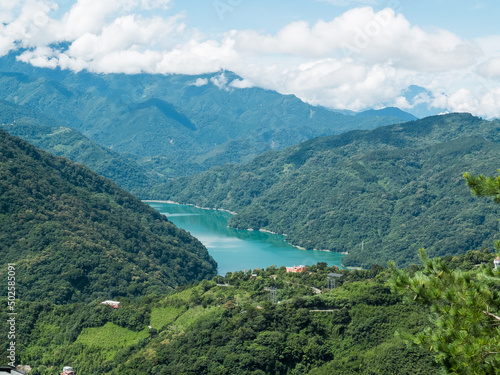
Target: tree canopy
76, 236
464, 330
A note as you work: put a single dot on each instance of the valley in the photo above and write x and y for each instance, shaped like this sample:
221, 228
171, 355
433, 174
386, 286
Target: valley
285, 183
379, 195
237, 249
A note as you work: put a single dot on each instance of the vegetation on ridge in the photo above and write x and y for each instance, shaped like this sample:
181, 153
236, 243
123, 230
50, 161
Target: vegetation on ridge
214, 328
75, 236
379, 195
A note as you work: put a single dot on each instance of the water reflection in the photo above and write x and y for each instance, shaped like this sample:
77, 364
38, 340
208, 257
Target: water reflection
235, 249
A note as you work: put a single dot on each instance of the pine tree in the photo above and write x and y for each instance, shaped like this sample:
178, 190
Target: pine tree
464, 326
465, 316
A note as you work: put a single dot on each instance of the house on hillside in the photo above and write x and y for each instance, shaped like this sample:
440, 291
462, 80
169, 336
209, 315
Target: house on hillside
300, 268
113, 304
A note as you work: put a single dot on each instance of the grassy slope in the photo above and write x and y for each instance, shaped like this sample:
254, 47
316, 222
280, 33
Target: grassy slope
208, 329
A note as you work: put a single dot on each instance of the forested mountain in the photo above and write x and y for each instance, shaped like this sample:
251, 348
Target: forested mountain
75, 236
229, 325
214, 328
174, 124
388, 112
44, 132
378, 195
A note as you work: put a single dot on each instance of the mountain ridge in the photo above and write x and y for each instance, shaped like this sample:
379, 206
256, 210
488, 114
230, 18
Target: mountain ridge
319, 192
173, 125
47, 134
76, 236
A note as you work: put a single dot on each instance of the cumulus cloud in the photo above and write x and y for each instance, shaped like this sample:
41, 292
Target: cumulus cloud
490, 68
358, 60
483, 103
376, 36
343, 83
241, 84
201, 82
220, 81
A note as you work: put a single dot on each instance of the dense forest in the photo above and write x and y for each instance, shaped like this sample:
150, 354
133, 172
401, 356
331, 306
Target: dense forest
171, 124
231, 325
235, 329
379, 195
44, 133
76, 236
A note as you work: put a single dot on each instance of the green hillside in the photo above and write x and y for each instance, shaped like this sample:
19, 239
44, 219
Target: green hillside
378, 195
172, 124
45, 133
210, 328
75, 236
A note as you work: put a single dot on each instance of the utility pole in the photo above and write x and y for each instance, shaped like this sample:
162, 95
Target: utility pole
332, 279
273, 294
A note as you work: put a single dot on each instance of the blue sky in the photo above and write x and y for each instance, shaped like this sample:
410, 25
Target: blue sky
469, 19
344, 54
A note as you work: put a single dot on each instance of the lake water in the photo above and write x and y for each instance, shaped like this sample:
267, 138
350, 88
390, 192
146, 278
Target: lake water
236, 249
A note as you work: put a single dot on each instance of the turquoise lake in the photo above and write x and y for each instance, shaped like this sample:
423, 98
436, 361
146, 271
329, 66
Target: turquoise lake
235, 249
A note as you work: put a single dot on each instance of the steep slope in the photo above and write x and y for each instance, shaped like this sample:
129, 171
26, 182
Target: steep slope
46, 133
176, 124
75, 236
378, 195
212, 329
388, 112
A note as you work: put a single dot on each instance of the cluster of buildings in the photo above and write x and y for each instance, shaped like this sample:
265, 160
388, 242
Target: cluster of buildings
296, 269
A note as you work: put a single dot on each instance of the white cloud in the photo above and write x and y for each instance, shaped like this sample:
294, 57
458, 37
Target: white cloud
155, 4
358, 60
220, 81
201, 82
490, 68
343, 83
375, 36
241, 84
485, 103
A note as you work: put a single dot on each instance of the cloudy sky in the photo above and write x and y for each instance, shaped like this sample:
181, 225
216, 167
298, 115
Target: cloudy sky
344, 54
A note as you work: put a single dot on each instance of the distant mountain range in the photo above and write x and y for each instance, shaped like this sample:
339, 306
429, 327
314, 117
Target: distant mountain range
36, 128
75, 236
378, 194
173, 125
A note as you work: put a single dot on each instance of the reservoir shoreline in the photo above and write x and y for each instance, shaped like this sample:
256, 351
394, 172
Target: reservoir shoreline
248, 229
238, 249
190, 204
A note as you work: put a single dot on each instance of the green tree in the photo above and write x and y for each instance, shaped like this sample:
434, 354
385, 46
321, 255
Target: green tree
464, 325
484, 186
